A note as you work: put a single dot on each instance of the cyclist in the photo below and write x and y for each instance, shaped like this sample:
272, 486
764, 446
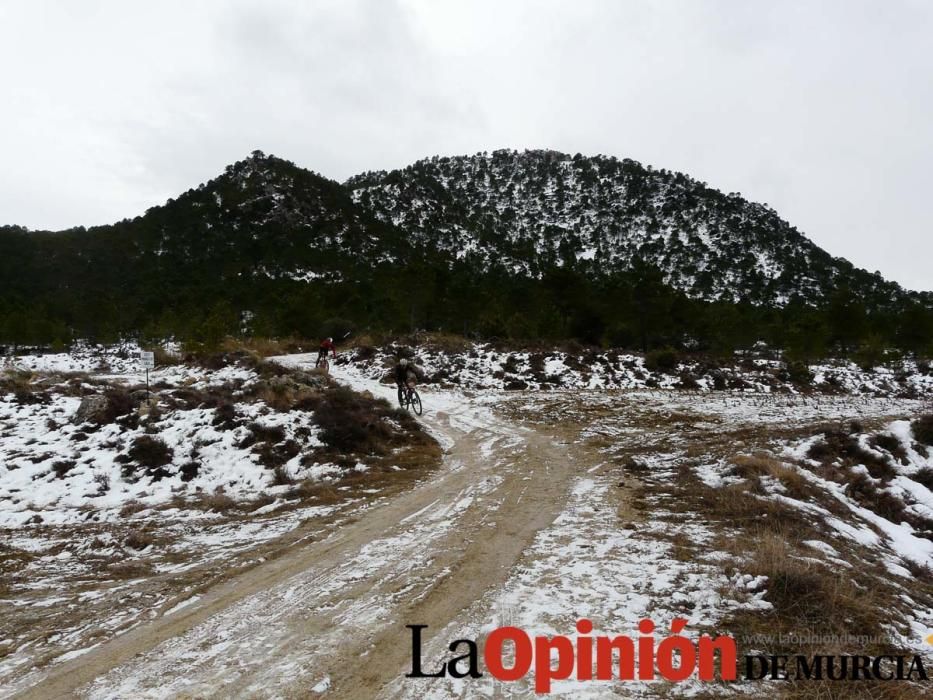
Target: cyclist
326, 344
406, 374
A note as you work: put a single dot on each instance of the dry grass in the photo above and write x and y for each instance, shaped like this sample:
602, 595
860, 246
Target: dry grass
139, 539
266, 347
791, 478
809, 594
131, 508
129, 569
217, 502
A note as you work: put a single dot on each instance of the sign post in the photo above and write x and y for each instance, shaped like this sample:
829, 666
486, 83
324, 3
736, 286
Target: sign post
148, 361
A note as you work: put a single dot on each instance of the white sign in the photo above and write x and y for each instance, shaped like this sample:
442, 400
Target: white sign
147, 358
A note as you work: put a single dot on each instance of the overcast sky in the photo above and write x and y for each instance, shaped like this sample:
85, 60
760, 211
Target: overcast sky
824, 110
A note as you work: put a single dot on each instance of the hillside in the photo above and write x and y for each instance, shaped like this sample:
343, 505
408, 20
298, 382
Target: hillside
533, 210
533, 245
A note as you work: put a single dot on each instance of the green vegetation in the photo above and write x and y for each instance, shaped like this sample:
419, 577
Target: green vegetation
270, 250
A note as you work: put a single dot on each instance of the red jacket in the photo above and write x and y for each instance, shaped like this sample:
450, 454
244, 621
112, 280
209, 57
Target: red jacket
328, 345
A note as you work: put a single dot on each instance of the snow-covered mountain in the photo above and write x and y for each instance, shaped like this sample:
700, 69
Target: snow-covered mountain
525, 245
535, 209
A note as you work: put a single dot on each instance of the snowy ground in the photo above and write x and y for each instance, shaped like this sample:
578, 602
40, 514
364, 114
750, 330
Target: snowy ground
550, 506
483, 366
94, 542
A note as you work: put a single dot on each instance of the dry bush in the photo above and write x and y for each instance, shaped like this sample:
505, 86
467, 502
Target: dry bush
281, 476
163, 358
351, 423
738, 504
753, 466
119, 405
864, 492
262, 433
225, 416
217, 502
890, 444
260, 501
804, 592
662, 360
263, 347
131, 508
130, 569
441, 342
15, 380
274, 456
219, 360
139, 539
319, 492
837, 445
362, 353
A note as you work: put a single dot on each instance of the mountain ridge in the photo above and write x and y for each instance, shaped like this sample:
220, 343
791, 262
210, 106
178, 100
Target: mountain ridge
524, 244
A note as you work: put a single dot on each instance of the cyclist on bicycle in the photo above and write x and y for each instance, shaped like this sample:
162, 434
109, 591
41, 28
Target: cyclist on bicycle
406, 374
326, 344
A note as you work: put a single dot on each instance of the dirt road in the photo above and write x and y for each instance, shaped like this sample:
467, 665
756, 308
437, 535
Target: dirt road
331, 615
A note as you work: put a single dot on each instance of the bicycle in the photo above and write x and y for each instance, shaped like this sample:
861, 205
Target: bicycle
410, 400
322, 364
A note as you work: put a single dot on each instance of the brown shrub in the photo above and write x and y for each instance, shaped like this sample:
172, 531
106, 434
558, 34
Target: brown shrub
281, 477
131, 508
749, 467
139, 539
837, 445
891, 444
217, 502
352, 423
320, 492
130, 569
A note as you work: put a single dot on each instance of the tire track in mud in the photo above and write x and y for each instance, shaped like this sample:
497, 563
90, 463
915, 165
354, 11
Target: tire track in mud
312, 614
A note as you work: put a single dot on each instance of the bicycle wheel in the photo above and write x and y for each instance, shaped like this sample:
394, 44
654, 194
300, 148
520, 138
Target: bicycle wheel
323, 365
415, 401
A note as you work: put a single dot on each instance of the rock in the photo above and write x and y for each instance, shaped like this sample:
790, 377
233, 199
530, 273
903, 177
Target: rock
93, 409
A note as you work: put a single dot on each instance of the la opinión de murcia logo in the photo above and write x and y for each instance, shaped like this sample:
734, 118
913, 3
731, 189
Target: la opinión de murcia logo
510, 654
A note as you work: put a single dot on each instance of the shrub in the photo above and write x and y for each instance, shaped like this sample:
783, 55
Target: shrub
924, 477
62, 467
892, 445
150, 451
225, 416
662, 360
281, 477
799, 373
139, 539
837, 445
363, 353
352, 423
258, 432
189, 470
217, 502
923, 429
